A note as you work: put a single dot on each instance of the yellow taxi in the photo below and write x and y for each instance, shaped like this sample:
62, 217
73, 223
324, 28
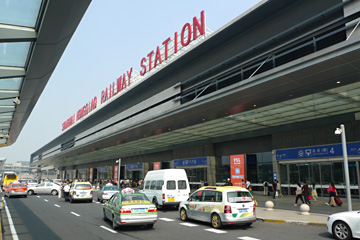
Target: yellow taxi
219, 206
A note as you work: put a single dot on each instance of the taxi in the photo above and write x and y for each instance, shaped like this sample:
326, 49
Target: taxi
219, 206
130, 209
16, 189
80, 191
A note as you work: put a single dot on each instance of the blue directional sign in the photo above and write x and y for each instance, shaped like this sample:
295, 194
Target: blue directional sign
275, 176
190, 162
318, 151
138, 166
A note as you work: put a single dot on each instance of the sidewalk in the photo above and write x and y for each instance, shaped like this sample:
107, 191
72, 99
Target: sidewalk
285, 211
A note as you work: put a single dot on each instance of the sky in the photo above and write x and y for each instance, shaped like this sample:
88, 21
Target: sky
112, 37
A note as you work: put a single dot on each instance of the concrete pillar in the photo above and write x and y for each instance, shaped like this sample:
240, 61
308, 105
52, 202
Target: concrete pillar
211, 170
349, 9
358, 176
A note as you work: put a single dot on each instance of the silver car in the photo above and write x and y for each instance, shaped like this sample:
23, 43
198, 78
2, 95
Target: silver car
106, 192
44, 188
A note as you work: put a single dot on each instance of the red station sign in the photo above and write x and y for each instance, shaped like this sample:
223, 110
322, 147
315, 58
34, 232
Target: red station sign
151, 61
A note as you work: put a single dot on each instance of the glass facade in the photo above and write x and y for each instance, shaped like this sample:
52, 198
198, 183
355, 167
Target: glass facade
320, 173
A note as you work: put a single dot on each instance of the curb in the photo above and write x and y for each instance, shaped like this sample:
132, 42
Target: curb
291, 222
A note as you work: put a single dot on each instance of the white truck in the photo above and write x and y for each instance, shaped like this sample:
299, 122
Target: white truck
167, 187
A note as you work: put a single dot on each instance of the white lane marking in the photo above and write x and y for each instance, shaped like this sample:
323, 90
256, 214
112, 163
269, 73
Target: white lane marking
11, 223
108, 229
189, 224
56, 205
75, 214
46, 200
97, 202
215, 230
167, 219
247, 238
38, 196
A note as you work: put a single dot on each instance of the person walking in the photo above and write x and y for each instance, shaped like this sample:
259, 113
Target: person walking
298, 193
66, 191
314, 192
333, 193
266, 188
306, 192
247, 183
274, 187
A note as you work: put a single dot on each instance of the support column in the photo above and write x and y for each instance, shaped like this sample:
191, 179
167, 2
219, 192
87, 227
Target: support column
211, 170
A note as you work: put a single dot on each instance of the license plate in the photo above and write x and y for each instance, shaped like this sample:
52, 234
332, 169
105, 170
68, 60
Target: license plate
171, 199
83, 193
138, 210
242, 210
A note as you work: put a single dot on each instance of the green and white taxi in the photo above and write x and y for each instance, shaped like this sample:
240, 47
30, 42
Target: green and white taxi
81, 191
130, 209
219, 206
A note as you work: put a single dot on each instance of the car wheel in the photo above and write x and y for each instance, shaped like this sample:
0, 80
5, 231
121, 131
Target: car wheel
104, 217
155, 202
71, 200
216, 221
183, 215
150, 225
114, 225
341, 230
30, 192
54, 192
25, 196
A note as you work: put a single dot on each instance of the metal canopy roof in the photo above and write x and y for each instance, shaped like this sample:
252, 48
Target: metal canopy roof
33, 36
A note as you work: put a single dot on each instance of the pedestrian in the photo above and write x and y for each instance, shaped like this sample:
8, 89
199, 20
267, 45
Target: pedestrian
266, 188
333, 193
250, 191
299, 194
306, 192
314, 192
206, 183
274, 187
247, 183
228, 182
66, 191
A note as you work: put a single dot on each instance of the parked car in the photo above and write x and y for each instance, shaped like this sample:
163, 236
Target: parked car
15, 189
106, 192
44, 188
130, 209
344, 225
219, 206
80, 191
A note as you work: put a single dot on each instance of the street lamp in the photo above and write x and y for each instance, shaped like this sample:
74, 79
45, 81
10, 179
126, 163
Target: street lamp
341, 131
118, 181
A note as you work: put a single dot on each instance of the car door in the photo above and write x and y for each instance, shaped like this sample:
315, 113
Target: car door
40, 188
48, 187
194, 203
109, 207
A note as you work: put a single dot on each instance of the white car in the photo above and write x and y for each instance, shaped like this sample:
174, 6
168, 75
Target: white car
344, 225
219, 206
44, 188
81, 191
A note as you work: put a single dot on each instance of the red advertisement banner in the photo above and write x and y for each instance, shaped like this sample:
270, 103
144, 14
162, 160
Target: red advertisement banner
237, 170
156, 165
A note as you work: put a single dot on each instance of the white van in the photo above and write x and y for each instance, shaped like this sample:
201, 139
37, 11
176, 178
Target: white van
166, 187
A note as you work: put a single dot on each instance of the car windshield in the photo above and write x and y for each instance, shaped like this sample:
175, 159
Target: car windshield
110, 188
18, 185
82, 186
134, 199
239, 197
